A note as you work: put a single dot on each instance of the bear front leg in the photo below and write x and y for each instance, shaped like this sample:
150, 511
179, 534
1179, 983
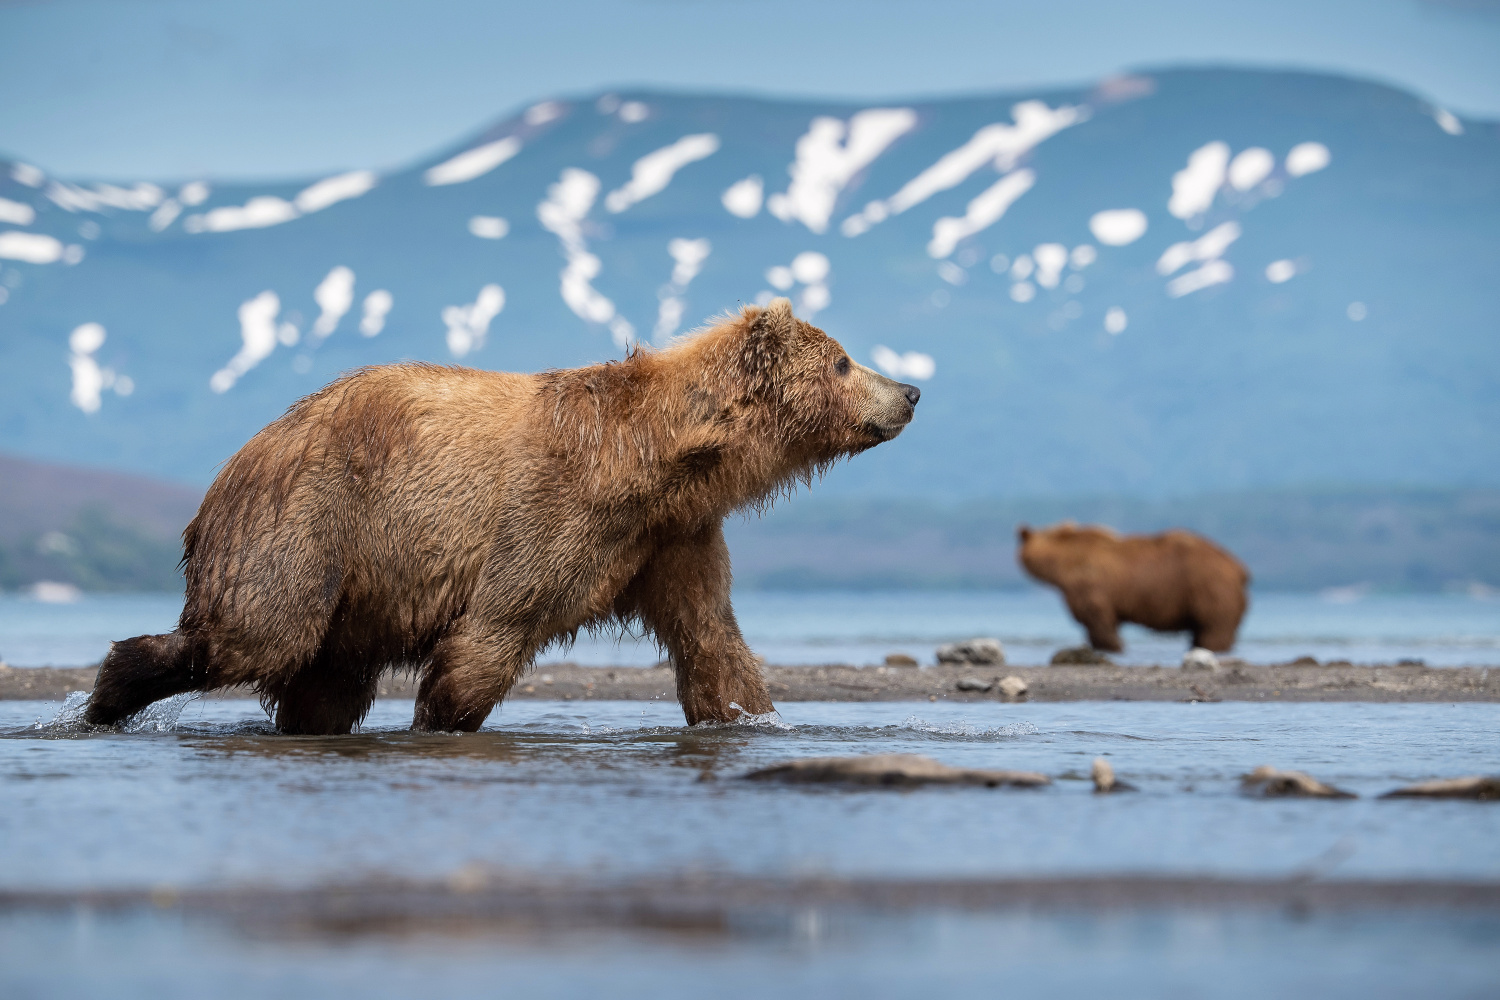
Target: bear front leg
1096, 613
682, 595
471, 670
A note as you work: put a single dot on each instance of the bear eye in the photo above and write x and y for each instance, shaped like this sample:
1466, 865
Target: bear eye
842, 365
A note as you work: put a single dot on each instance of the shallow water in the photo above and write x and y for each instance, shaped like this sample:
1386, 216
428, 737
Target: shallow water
860, 628
202, 794
624, 788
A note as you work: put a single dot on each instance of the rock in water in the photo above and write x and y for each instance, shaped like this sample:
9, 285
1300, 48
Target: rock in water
901, 660
1080, 656
895, 770
975, 652
1105, 781
1273, 783
1485, 789
1199, 658
1013, 688
973, 684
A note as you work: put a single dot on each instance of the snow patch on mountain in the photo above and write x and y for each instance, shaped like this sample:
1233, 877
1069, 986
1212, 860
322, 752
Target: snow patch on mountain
468, 325
258, 339
472, 163
999, 145
744, 197
828, 157
653, 172
984, 211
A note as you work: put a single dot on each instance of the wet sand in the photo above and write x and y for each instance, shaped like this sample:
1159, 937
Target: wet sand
1239, 682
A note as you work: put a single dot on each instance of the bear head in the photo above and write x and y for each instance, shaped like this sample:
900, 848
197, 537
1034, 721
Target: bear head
814, 400
1050, 554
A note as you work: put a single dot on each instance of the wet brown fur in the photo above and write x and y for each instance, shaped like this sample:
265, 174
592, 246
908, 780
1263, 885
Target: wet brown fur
1172, 582
457, 521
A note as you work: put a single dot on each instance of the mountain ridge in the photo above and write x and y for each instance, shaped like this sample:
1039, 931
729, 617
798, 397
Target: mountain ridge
1244, 382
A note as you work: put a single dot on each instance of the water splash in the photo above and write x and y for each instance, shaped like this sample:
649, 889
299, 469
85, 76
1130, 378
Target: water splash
159, 717
967, 730
765, 720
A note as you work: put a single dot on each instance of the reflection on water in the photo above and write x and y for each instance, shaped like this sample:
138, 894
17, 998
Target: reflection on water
840, 627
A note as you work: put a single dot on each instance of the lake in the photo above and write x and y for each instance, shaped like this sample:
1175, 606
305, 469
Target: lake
794, 628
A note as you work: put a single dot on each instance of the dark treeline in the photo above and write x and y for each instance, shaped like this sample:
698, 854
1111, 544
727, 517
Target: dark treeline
1292, 540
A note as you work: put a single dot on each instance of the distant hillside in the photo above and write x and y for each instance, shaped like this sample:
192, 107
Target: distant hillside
1181, 282
1383, 539
103, 531
97, 530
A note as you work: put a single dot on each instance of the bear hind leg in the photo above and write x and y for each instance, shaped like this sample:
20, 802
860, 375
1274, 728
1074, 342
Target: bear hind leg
140, 671
1217, 637
328, 696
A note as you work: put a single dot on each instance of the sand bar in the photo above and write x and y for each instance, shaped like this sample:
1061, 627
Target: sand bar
1248, 682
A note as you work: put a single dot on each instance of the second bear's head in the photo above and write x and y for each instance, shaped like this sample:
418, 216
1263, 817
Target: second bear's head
802, 387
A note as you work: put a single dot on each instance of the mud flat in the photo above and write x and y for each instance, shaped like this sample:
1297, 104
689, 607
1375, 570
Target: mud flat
1243, 682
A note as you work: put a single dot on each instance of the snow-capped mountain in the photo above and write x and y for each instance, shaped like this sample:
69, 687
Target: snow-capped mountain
1179, 281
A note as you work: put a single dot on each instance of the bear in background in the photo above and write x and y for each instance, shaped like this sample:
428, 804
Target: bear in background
1172, 582
457, 521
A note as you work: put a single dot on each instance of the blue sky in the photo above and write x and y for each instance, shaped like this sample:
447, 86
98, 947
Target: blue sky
152, 88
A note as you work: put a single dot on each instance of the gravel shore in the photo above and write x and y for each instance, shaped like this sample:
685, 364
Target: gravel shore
1242, 682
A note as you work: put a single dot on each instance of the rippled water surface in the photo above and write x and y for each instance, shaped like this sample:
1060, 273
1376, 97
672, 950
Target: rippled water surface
202, 794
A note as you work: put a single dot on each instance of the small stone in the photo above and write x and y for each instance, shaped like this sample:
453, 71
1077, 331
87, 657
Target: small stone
1105, 781
896, 770
1304, 661
974, 652
1411, 661
1199, 658
1013, 687
1273, 783
1482, 788
973, 684
1080, 656
901, 660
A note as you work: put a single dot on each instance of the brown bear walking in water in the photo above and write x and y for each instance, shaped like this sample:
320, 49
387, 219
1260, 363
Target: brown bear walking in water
458, 521
1172, 582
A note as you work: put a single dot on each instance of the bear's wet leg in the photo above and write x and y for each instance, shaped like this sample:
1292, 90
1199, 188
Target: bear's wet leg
1218, 638
682, 595
471, 670
140, 671
1096, 614
329, 696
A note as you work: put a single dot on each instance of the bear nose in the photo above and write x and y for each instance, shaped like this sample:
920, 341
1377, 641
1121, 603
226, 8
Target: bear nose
911, 392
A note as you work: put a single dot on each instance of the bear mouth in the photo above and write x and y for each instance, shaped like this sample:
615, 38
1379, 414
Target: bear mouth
883, 433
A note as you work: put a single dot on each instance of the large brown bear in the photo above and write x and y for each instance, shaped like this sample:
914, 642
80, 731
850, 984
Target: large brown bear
1172, 582
457, 521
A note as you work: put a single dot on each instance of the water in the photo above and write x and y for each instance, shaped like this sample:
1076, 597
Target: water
203, 795
861, 628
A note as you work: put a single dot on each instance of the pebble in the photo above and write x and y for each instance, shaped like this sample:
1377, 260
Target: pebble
1013, 687
1105, 781
893, 770
901, 660
976, 652
973, 684
1080, 656
1483, 788
1199, 658
1273, 783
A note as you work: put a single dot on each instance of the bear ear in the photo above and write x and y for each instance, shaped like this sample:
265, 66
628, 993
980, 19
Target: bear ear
779, 312
1024, 533
768, 335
